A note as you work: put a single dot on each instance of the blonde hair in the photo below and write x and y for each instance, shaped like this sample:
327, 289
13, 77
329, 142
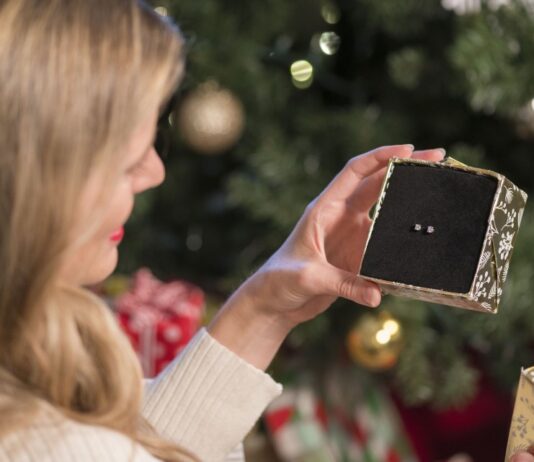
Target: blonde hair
76, 78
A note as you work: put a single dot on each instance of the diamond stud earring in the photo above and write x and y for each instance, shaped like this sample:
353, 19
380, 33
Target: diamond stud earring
430, 230
417, 227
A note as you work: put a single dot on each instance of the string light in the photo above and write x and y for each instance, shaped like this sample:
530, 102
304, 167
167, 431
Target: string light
329, 43
388, 331
383, 337
391, 326
161, 10
330, 12
473, 6
302, 73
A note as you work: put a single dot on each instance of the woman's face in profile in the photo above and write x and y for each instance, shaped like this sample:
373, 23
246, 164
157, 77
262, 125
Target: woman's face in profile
141, 169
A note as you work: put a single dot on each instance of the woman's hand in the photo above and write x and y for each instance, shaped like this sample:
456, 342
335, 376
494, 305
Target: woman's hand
320, 259
317, 263
523, 456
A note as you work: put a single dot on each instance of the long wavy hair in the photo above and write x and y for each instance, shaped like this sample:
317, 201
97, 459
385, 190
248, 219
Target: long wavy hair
76, 79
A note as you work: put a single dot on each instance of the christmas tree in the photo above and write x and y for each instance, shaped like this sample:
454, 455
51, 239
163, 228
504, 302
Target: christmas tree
279, 95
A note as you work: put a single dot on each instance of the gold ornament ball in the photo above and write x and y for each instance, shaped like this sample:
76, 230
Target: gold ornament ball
375, 341
211, 119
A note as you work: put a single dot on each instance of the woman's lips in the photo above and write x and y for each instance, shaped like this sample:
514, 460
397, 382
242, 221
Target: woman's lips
117, 235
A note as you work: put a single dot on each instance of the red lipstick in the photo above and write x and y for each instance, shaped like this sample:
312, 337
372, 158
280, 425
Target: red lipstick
117, 235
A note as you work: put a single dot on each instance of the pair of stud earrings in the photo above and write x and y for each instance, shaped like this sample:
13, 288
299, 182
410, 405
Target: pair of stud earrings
428, 229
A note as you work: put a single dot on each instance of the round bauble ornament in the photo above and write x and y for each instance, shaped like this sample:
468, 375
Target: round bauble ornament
375, 341
211, 119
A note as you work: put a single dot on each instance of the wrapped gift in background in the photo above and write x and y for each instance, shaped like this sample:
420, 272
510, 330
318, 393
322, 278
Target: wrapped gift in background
159, 317
345, 419
443, 232
521, 435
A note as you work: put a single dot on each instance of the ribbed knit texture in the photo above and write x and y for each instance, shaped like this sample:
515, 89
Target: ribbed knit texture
206, 400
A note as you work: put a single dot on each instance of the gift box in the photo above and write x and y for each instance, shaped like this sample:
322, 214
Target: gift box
159, 318
350, 418
443, 232
521, 435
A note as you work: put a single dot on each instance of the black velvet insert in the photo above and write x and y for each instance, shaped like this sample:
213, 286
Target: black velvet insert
456, 203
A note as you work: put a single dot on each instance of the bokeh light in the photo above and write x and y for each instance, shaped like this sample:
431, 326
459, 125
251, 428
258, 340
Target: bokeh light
302, 73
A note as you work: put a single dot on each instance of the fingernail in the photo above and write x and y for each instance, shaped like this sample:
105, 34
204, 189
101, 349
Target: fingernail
442, 151
372, 296
411, 146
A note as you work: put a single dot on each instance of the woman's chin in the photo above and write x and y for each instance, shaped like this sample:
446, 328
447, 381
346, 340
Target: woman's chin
103, 268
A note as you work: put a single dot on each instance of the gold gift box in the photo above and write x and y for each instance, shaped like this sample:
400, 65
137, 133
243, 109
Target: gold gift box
521, 435
391, 256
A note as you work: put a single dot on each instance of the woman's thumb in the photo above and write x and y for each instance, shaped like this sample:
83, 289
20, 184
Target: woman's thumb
341, 283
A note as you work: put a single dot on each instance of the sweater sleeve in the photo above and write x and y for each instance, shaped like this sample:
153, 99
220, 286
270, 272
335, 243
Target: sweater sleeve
208, 398
67, 441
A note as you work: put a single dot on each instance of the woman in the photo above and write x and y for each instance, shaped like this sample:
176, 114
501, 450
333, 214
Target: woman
524, 456
82, 84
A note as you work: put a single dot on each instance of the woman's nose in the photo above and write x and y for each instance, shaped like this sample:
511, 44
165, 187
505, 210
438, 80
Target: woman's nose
152, 173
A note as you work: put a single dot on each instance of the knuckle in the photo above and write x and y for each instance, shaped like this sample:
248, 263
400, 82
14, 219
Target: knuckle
355, 160
352, 165
346, 288
351, 162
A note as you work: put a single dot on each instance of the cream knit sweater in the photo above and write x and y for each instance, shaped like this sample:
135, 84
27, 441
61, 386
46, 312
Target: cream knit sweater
206, 400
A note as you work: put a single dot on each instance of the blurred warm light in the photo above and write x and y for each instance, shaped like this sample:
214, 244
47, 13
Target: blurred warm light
471, 6
302, 74
383, 337
330, 12
329, 43
302, 85
301, 70
391, 326
161, 10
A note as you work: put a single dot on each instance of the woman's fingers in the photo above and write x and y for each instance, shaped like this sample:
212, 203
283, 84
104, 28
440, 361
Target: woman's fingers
359, 167
340, 283
368, 190
368, 163
435, 154
522, 457
526, 456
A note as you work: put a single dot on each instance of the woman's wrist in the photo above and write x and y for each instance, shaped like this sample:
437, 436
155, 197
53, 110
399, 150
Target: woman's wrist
247, 327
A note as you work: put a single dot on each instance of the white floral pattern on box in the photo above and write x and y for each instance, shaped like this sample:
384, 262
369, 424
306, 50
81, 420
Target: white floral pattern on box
521, 434
494, 263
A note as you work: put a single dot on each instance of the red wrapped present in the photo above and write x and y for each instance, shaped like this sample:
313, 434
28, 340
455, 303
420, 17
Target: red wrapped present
345, 415
159, 318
